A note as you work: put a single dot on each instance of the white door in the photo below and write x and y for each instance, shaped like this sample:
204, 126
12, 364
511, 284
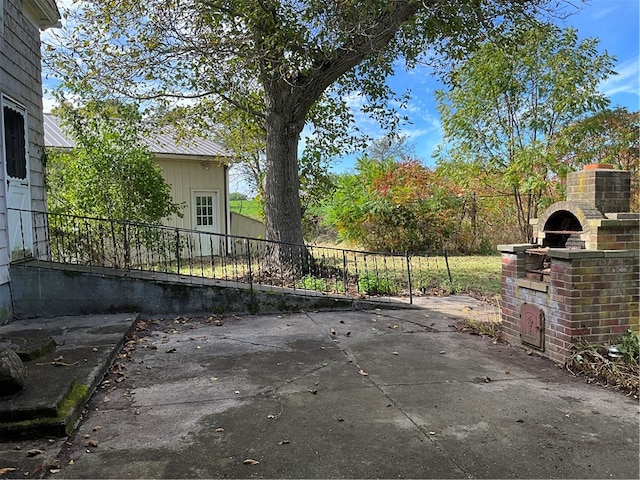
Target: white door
16, 169
206, 219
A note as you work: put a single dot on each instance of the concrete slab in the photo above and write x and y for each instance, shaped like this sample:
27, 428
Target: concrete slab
365, 394
60, 381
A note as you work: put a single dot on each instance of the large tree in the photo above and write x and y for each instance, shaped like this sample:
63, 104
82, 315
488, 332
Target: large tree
507, 104
283, 62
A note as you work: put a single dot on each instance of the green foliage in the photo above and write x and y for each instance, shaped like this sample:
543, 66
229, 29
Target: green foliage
375, 283
629, 347
505, 106
390, 206
309, 282
110, 173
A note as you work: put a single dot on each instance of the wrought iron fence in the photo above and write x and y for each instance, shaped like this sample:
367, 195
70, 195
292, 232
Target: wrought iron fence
135, 247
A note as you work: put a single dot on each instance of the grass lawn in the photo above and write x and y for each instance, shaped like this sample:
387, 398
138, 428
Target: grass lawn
248, 208
476, 274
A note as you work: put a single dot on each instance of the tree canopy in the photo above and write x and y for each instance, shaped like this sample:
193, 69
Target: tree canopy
284, 63
507, 104
110, 173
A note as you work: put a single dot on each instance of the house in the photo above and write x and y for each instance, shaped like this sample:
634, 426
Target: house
198, 172
22, 133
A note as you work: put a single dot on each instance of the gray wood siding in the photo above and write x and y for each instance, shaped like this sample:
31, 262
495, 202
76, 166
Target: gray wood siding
20, 81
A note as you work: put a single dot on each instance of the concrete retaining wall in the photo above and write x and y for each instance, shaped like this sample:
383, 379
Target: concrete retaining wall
45, 291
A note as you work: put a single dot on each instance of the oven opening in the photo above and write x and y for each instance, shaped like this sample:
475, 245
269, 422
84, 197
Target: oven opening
562, 230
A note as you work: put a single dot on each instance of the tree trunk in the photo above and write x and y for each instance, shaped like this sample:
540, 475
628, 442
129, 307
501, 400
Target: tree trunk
283, 213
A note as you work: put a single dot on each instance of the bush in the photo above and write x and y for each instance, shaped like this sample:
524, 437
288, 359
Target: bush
372, 283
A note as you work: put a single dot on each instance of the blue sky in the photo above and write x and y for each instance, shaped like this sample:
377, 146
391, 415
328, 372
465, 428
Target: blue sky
614, 22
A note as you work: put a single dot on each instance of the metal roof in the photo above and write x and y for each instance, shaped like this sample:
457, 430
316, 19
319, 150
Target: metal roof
162, 143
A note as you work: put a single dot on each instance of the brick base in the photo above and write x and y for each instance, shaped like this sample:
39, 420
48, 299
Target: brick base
591, 294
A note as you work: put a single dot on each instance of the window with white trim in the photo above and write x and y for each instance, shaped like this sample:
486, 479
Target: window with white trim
205, 213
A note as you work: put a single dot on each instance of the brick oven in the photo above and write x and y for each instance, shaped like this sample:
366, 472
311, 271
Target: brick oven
580, 278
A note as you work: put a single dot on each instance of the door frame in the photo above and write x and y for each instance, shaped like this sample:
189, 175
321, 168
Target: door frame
15, 219
217, 223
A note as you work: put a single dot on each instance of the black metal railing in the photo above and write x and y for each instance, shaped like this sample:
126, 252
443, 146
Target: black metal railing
256, 263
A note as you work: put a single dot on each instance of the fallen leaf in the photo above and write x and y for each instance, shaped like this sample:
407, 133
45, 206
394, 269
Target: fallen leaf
34, 452
219, 430
97, 428
6, 470
317, 383
363, 373
172, 350
213, 379
508, 372
251, 461
151, 347
54, 470
92, 444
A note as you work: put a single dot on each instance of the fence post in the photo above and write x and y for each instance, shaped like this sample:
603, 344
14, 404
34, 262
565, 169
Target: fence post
345, 274
127, 252
249, 261
409, 278
178, 250
446, 260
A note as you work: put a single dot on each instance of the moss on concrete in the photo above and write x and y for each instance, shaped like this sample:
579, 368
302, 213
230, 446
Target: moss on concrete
68, 412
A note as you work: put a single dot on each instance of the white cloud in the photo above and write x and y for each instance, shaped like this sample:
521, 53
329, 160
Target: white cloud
625, 81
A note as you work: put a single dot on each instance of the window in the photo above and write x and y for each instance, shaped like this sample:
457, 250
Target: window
204, 210
15, 144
